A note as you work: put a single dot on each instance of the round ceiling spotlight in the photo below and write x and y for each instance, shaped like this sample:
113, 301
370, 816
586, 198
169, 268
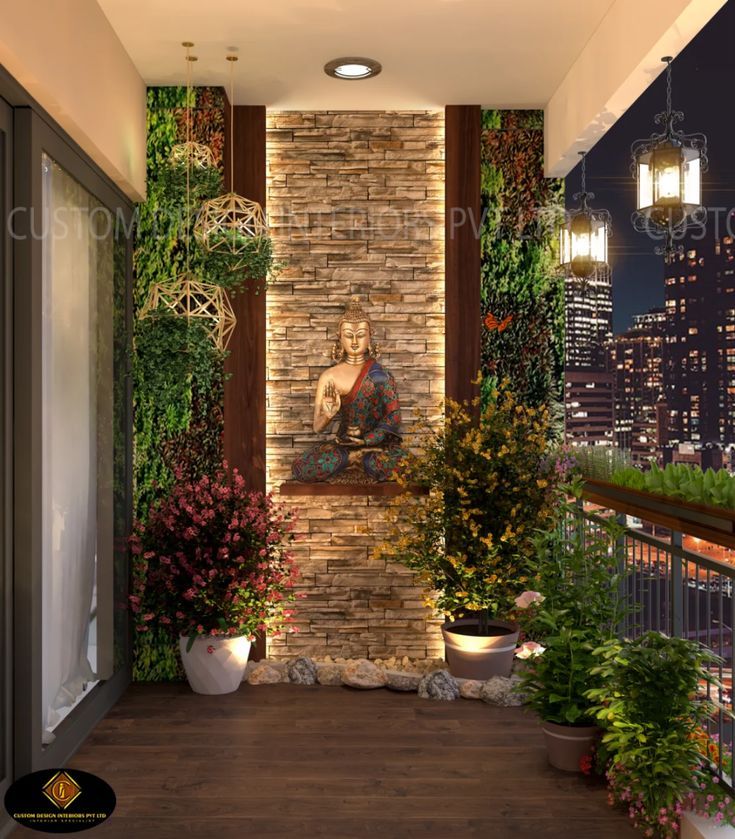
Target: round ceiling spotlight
352, 69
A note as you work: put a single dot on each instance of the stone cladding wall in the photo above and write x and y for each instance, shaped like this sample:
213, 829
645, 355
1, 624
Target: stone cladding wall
356, 207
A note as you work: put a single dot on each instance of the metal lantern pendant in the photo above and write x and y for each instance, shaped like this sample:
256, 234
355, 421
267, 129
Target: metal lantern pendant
583, 238
231, 224
668, 170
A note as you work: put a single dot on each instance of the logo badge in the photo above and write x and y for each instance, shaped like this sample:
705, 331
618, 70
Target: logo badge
62, 789
60, 800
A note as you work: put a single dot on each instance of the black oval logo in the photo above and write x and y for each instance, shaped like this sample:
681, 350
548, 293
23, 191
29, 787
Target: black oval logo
60, 800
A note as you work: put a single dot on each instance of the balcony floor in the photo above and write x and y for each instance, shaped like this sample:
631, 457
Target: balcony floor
286, 760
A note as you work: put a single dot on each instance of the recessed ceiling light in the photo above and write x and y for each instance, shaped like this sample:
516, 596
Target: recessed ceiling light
352, 69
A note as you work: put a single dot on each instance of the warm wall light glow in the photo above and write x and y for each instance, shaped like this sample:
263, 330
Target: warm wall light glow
339, 238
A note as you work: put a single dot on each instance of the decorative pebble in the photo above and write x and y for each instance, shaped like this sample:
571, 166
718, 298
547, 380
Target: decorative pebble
302, 671
500, 690
265, 674
470, 688
363, 674
400, 680
439, 685
329, 674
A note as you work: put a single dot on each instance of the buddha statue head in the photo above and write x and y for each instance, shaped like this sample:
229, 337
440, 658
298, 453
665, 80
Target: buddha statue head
354, 342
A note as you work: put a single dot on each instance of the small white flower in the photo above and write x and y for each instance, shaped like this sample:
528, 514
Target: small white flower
523, 601
530, 650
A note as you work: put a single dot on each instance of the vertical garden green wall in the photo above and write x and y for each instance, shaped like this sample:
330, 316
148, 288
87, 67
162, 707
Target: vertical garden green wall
522, 291
178, 374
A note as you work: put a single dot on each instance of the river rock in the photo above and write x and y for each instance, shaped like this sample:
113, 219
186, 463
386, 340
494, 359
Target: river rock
401, 680
302, 671
439, 685
329, 674
265, 674
363, 674
500, 690
470, 688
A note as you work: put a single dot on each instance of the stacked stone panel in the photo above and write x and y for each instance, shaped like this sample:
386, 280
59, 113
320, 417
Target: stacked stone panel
356, 207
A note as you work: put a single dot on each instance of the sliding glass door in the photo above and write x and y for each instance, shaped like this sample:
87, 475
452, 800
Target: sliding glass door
77, 418
72, 465
6, 454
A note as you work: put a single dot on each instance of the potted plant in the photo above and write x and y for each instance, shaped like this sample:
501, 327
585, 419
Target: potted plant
470, 538
576, 609
213, 568
655, 714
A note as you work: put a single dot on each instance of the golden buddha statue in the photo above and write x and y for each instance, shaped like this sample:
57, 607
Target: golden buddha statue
362, 395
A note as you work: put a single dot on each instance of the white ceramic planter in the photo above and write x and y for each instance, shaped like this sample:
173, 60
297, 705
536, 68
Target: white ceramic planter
695, 827
215, 665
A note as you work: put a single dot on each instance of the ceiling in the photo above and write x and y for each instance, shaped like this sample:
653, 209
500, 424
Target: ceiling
499, 53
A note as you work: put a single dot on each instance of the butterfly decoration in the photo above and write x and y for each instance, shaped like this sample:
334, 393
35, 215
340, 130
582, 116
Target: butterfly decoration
492, 323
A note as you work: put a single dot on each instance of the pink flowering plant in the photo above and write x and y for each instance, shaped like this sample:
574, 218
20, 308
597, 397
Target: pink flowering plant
660, 759
214, 561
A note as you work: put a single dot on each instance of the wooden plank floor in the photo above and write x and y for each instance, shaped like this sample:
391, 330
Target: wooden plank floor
292, 761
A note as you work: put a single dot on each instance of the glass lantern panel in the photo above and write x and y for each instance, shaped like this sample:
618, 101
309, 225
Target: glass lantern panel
598, 250
693, 182
645, 185
667, 175
565, 248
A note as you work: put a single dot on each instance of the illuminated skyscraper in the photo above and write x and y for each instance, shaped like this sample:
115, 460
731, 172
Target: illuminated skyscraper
588, 321
588, 383
699, 352
637, 364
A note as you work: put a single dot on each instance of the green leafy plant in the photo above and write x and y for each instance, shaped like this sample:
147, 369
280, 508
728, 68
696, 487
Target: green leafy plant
471, 538
173, 359
682, 481
578, 607
519, 278
653, 710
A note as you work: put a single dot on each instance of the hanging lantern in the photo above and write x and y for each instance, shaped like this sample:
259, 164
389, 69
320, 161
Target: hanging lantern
197, 301
668, 170
583, 238
231, 224
190, 154
187, 295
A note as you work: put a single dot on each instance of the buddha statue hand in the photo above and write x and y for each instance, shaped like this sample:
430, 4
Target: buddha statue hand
352, 437
331, 402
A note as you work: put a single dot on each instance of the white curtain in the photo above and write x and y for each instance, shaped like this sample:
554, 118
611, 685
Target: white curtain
73, 262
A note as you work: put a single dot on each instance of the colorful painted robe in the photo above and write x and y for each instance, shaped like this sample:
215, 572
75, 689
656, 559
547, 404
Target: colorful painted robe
372, 405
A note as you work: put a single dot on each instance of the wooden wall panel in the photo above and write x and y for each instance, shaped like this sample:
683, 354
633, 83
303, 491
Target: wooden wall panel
244, 436
244, 433
462, 250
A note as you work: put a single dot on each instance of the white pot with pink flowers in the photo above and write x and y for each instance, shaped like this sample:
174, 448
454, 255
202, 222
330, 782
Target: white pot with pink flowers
212, 568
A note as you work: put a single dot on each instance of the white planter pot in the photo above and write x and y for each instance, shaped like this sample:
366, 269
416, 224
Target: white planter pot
215, 665
696, 827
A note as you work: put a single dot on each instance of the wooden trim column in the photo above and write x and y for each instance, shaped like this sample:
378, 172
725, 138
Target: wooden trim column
244, 404
462, 250
244, 437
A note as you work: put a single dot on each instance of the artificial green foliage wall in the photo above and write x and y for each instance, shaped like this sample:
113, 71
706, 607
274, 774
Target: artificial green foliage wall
178, 374
522, 292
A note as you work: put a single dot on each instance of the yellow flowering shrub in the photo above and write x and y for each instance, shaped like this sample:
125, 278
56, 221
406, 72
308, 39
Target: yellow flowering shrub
471, 538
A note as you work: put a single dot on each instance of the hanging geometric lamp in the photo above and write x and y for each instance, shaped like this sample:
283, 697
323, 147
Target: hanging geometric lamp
189, 153
231, 224
187, 295
583, 237
197, 301
668, 169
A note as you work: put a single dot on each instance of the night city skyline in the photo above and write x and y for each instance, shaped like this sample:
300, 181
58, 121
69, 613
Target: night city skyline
700, 75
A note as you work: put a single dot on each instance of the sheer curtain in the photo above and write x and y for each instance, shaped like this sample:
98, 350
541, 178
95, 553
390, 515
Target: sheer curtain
75, 260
